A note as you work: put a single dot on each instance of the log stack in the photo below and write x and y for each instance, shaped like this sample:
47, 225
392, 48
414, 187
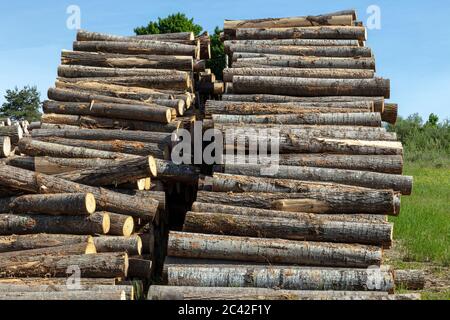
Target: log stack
297, 208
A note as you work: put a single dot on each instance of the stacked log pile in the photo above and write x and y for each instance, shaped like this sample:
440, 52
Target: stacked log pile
88, 186
311, 224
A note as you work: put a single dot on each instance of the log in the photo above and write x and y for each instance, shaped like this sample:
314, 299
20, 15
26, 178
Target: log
56, 282
332, 51
121, 148
294, 42
409, 279
285, 278
68, 204
38, 241
97, 223
74, 71
130, 245
6, 121
178, 82
40, 148
149, 47
330, 231
187, 245
230, 73
83, 35
123, 172
140, 268
306, 62
110, 295
342, 119
323, 32
88, 122
152, 113
365, 179
296, 216
169, 171
390, 113
318, 197
14, 132
382, 164
378, 101
312, 87
100, 134
5, 147
248, 294
74, 249
109, 265
249, 108
13, 177
121, 225
160, 196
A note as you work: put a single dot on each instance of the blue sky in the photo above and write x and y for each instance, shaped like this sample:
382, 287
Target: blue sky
412, 47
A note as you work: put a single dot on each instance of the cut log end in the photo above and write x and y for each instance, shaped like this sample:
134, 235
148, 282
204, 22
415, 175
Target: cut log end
139, 245
153, 167
90, 248
91, 205
128, 227
106, 223
5, 148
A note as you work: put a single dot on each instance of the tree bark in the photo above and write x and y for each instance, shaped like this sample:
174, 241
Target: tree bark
106, 265
83, 35
279, 228
106, 200
312, 87
109, 295
306, 62
381, 164
409, 279
55, 282
73, 249
70, 204
248, 294
130, 245
39, 148
169, 171
74, 71
149, 47
294, 43
30, 242
324, 32
98, 223
272, 251
332, 51
153, 113
140, 268
123, 172
121, 225
230, 73
342, 119
129, 149
13, 132
365, 179
390, 113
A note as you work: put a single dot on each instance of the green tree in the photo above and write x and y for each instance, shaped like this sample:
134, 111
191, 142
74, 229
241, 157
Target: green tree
177, 22
433, 120
218, 58
23, 104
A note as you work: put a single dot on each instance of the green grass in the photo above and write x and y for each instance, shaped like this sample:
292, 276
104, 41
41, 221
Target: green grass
423, 226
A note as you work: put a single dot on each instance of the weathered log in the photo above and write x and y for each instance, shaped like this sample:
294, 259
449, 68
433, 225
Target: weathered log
342, 119
100, 134
409, 279
249, 108
97, 223
5, 147
77, 204
123, 172
110, 295
378, 101
6, 121
169, 171
69, 71
296, 216
92, 265
207, 293
121, 225
13, 177
272, 250
279, 228
149, 47
229, 73
96, 59
130, 245
312, 87
140, 268
153, 113
38, 241
160, 196
14, 132
390, 113
128, 149
67, 250
306, 62
333, 51
382, 164
40, 148
294, 42
323, 32
52, 282
365, 179
178, 82
83, 35
285, 278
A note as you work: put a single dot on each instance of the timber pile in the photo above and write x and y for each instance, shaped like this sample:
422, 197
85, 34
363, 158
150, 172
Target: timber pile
315, 226
88, 186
